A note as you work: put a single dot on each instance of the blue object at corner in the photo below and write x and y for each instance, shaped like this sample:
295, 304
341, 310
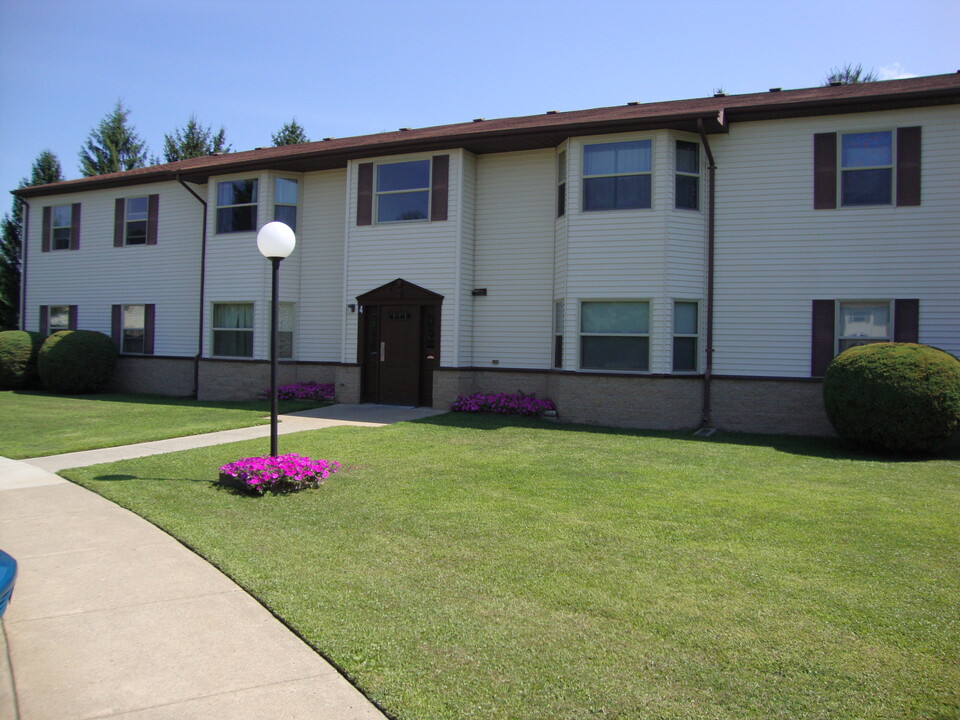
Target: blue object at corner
8, 576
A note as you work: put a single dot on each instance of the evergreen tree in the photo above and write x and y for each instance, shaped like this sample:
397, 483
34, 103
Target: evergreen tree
291, 133
46, 169
194, 140
850, 74
112, 146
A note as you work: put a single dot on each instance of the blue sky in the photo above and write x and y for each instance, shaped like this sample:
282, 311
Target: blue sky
348, 68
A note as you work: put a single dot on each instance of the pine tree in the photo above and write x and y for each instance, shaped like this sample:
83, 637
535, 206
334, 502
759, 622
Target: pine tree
46, 169
194, 140
291, 133
112, 146
850, 74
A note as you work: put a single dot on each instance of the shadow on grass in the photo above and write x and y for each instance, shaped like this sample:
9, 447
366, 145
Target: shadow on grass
829, 448
263, 405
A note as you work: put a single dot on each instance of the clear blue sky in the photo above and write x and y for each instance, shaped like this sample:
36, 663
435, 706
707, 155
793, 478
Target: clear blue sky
349, 68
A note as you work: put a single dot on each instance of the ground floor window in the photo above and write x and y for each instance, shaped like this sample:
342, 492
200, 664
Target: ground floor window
233, 329
615, 335
285, 330
558, 334
134, 327
686, 317
58, 318
861, 323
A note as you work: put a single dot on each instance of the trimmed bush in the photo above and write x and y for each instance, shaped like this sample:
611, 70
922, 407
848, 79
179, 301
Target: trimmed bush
18, 358
900, 397
76, 361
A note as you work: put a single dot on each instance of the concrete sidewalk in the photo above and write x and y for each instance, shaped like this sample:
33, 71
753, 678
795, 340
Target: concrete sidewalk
113, 618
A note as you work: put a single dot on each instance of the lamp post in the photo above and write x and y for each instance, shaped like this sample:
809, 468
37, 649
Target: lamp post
275, 241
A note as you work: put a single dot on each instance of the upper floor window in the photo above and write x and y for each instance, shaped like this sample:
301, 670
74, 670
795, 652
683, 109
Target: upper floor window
135, 221
236, 206
562, 183
687, 184
866, 162
617, 176
403, 191
285, 194
615, 335
61, 227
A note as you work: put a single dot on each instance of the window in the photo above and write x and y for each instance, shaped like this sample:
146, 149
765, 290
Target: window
687, 183
866, 162
135, 221
236, 206
287, 313
58, 318
562, 183
233, 329
61, 227
285, 193
686, 322
403, 191
617, 176
615, 335
861, 323
133, 329
558, 334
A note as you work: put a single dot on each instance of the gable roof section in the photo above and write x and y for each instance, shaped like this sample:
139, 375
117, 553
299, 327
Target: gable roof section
540, 131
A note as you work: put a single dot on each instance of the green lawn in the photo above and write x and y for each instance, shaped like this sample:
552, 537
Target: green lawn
33, 424
477, 567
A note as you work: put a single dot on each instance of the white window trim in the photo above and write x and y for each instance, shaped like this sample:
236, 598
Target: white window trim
378, 193
838, 316
584, 177
892, 167
648, 335
251, 329
696, 336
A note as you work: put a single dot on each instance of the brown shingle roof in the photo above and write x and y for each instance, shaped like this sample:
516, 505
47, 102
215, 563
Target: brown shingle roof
547, 130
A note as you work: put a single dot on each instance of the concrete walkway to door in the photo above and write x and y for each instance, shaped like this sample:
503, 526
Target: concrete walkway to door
113, 618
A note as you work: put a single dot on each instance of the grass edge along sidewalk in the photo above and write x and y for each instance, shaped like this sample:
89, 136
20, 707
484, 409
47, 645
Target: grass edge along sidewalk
488, 567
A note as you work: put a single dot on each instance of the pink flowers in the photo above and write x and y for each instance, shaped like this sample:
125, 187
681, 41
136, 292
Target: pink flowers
281, 474
503, 403
305, 391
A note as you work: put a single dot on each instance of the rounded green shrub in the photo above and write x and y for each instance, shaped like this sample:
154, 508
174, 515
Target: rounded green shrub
76, 361
18, 358
899, 397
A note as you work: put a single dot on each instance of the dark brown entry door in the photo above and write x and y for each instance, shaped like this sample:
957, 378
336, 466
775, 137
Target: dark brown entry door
399, 354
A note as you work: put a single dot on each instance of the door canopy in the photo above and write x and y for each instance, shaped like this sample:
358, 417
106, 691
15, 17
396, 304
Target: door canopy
400, 291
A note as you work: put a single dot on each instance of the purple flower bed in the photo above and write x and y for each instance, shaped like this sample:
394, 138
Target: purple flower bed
305, 391
503, 404
281, 474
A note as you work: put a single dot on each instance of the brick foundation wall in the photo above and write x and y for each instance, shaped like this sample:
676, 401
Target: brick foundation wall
157, 376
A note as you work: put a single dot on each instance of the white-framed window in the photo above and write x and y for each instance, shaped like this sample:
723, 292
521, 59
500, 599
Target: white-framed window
61, 224
863, 322
136, 211
686, 335
233, 329
237, 205
133, 329
285, 326
687, 179
617, 175
286, 193
58, 318
615, 335
558, 317
402, 191
562, 183
866, 168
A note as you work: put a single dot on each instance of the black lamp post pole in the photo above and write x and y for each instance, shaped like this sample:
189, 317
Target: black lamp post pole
274, 336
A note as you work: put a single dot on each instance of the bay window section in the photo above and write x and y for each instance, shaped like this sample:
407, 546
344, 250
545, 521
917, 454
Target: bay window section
686, 317
287, 317
866, 165
285, 196
861, 323
236, 206
233, 329
617, 176
562, 183
558, 334
615, 335
403, 191
687, 183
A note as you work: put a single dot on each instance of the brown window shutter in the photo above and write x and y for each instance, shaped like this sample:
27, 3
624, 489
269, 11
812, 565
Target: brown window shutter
825, 171
118, 222
75, 227
906, 321
116, 326
153, 210
822, 341
73, 317
365, 194
439, 187
47, 229
149, 322
44, 320
908, 166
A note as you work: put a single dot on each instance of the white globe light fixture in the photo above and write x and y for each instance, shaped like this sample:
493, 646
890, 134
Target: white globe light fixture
276, 240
